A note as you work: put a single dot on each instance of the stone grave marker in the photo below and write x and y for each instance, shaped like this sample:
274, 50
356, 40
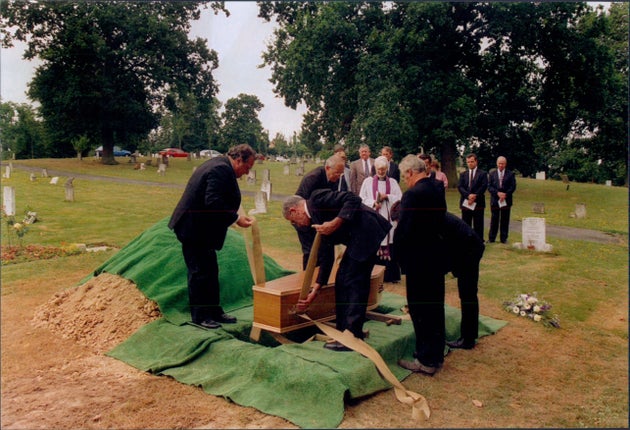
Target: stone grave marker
251, 177
266, 188
266, 175
7, 172
318, 160
44, 173
299, 171
534, 234
540, 175
580, 210
261, 203
69, 187
8, 200
161, 169
538, 208
33, 177
609, 183
54, 180
286, 170
143, 166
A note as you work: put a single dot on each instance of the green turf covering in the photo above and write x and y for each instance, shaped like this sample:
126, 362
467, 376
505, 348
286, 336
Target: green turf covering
301, 382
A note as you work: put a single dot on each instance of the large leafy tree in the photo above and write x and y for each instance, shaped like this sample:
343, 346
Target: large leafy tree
21, 131
241, 123
107, 67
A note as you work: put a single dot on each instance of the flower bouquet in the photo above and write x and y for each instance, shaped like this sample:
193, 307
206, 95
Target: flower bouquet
528, 305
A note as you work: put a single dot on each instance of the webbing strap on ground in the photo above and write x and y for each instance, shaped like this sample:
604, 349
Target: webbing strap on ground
419, 404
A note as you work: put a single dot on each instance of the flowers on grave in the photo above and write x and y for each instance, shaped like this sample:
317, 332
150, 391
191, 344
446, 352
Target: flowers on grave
530, 306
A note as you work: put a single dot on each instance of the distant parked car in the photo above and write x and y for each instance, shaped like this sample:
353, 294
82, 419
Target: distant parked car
117, 152
210, 153
282, 159
173, 152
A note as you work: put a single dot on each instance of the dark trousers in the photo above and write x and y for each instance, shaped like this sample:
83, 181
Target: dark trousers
425, 298
499, 222
467, 281
352, 290
203, 282
474, 219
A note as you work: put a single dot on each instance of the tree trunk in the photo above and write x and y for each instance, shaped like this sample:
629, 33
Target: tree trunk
107, 139
449, 164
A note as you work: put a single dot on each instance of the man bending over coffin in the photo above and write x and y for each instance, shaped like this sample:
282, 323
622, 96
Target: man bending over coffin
341, 218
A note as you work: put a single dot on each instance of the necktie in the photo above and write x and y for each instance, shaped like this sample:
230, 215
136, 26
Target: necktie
367, 170
472, 175
500, 178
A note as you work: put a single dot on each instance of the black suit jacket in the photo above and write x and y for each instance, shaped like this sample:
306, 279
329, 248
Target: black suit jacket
464, 247
362, 231
479, 186
209, 204
508, 186
316, 179
392, 171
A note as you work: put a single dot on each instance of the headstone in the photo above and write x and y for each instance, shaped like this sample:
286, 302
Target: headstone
8, 200
251, 177
261, 203
266, 175
33, 177
143, 165
286, 169
540, 175
299, 171
69, 187
161, 169
7, 173
266, 188
133, 158
538, 208
318, 160
609, 183
44, 173
534, 234
580, 210
54, 180
565, 180
293, 160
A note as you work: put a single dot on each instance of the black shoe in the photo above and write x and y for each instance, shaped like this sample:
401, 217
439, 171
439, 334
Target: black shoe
461, 344
417, 367
225, 318
336, 346
504, 242
209, 323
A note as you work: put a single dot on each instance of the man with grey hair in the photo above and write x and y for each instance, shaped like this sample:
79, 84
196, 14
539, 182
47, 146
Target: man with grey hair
419, 248
326, 177
341, 218
360, 169
501, 186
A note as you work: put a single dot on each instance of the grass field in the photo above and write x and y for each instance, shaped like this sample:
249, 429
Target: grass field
587, 283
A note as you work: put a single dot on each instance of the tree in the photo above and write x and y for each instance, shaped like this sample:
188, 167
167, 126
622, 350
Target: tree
241, 123
108, 66
21, 131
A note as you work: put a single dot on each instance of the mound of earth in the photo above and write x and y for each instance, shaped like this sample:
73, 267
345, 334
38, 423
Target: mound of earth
99, 314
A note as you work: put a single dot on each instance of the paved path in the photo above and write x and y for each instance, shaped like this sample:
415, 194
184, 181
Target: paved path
570, 233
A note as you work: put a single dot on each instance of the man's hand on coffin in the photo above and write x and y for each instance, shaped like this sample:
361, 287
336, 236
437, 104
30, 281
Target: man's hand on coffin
302, 305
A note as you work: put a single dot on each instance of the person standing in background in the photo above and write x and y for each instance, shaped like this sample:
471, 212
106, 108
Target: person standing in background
472, 187
360, 169
208, 206
501, 186
392, 168
381, 192
439, 174
341, 152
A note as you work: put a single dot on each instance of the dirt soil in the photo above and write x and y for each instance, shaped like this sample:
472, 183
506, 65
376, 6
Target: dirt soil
55, 374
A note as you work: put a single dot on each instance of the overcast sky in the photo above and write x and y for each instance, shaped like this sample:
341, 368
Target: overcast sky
239, 40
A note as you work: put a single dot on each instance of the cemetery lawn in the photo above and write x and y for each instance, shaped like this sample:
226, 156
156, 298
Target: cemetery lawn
526, 375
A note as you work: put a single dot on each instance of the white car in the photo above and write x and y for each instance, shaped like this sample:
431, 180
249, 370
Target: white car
210, 153
282, 159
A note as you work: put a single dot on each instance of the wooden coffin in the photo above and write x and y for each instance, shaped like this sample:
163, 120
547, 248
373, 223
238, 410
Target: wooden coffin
274, 303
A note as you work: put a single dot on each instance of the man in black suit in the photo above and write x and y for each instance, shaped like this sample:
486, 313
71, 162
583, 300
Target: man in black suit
323, 177
341, 217
464, 252
420, 250
501, 186
392, 168
200, 220
472, 187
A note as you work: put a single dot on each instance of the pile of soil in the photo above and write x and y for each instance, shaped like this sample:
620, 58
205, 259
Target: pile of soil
99, 314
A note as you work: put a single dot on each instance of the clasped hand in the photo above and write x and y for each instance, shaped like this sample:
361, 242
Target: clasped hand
302, 305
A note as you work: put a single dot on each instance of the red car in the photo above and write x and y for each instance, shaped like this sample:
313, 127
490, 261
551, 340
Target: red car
173, 152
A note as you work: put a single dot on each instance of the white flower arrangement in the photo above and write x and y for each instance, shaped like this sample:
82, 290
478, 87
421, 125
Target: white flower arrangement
528, 305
